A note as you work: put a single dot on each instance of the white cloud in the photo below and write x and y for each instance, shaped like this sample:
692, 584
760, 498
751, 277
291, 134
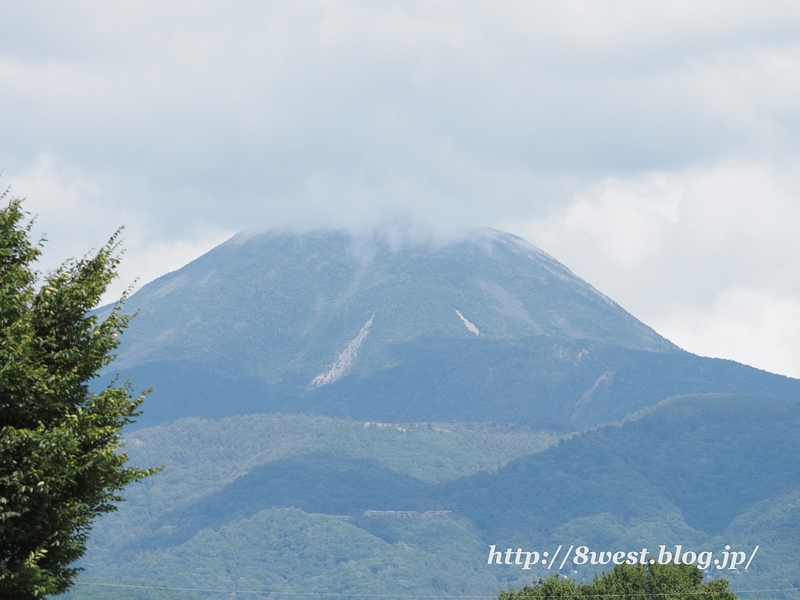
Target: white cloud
76, 213
690, 252
624, 221
756, 327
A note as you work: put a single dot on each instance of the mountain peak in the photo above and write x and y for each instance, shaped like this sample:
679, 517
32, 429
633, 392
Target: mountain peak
484, 326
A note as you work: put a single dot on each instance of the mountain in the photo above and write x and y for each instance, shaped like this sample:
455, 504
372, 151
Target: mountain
279, 503
483, 328
351, 417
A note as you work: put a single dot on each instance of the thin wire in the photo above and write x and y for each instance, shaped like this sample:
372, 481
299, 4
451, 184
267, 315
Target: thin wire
338, 595
186, 589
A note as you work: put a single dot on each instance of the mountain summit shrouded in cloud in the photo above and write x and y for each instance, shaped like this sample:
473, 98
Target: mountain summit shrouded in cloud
484, 328
653, 148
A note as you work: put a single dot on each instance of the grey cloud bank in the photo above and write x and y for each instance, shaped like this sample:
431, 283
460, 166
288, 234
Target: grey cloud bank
653, 149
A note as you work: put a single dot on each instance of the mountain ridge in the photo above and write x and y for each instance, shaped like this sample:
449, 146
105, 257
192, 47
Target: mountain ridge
486, 327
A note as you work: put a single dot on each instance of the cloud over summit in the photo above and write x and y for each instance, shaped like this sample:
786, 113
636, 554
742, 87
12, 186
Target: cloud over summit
653, 148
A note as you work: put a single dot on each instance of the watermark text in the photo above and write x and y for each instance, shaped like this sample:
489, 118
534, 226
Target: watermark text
728, 558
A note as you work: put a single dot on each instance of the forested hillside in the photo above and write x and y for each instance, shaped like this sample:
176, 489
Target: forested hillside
280, 503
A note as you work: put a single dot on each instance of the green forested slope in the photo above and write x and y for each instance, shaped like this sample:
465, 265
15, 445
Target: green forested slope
202, 456
287, 550
773, 524
710, 456
701, 471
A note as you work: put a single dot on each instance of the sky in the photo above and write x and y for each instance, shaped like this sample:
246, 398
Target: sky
652, 147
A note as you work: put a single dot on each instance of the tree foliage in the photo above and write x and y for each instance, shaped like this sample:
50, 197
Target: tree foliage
629, 582
60, 458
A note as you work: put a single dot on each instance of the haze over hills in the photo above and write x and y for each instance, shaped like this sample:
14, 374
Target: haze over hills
483, 328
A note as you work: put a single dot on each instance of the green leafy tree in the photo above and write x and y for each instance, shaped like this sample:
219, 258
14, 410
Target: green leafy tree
629, 582
60, 447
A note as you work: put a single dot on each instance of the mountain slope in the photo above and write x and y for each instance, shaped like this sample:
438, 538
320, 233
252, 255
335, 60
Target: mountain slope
709, 458
484, 328
712, 457
701, 471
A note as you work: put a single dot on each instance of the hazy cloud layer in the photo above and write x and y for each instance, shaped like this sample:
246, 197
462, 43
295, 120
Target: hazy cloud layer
652, 147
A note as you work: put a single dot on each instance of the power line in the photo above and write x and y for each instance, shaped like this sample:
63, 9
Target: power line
340, 595
267, 593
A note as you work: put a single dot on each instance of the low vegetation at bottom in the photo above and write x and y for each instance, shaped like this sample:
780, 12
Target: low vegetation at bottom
654, 582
